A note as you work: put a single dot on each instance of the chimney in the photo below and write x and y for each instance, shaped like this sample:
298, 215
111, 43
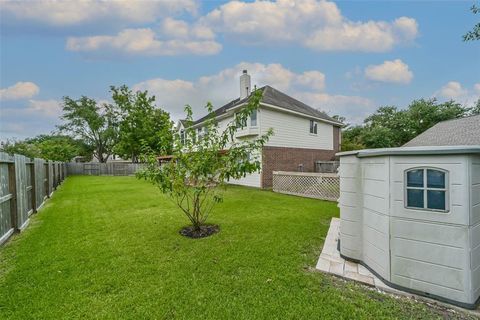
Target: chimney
245, 85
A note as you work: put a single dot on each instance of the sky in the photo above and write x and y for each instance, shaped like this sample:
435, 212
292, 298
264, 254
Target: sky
345, 57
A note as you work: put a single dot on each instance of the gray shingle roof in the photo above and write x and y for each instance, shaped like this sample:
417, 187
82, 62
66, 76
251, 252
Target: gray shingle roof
277, 98
456, 132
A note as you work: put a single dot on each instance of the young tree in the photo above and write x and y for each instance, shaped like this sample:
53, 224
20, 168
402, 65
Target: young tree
201, 166
95, 124
142, 124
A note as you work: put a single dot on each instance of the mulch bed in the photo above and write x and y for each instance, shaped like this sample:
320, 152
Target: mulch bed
204, 231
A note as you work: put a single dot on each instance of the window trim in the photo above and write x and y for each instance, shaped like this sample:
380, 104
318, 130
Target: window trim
314, 126
425, 189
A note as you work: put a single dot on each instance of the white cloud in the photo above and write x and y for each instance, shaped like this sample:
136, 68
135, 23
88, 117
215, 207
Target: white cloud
354, 108
142, 42
395, 71
20, 90
223, 86
454, 90
476, 87
179, 29
68, 13
49, 108
318, 25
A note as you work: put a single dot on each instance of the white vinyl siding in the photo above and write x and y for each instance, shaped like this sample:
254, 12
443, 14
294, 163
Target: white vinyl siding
292, 131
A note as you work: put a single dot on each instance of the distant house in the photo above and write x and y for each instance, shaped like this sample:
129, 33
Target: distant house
302, 134
411, 215
463, 131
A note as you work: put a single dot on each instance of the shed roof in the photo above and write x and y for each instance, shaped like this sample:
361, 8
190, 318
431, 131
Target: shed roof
279, 99
405, 151
463, 131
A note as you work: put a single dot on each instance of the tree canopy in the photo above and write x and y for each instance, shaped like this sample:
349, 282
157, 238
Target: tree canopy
390, 126
49, 147
96, 124
473, 34
141, 124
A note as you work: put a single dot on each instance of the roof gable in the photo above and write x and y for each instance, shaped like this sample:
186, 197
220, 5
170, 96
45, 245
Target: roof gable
276, 98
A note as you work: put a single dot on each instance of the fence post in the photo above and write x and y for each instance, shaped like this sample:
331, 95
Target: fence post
34, 186
50, 178
21, 187
12, 188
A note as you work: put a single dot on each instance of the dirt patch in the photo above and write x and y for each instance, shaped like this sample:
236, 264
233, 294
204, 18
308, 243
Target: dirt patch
204, 231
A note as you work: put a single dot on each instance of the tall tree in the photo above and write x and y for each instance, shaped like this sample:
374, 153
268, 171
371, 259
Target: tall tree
393, 127
142, 124
95, 124
474, 34
201, 165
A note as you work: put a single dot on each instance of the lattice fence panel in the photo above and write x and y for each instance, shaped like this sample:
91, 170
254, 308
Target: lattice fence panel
325, 186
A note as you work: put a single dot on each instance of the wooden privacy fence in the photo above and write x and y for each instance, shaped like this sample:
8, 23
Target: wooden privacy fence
103, 169
325, 186
25, 184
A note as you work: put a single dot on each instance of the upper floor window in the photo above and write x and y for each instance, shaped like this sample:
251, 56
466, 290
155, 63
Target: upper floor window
253, 118
313, 127
243, 122
199, 133
182, 136
426, 189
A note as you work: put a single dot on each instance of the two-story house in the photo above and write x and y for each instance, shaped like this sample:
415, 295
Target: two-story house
301, 134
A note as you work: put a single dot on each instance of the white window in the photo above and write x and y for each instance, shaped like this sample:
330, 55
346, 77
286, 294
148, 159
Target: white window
313, 127
199, 134
182, 136
253, 118
426, 189
243, 123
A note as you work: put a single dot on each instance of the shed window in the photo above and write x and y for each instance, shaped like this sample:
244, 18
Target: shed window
313, 127
426, 188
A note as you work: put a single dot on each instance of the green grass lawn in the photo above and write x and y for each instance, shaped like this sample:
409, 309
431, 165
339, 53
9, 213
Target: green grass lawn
109, 248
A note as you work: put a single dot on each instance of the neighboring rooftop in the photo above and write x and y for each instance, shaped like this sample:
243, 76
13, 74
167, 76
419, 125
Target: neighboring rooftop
456, 132
279, 99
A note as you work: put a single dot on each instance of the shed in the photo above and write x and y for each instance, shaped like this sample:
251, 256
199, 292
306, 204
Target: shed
411, 215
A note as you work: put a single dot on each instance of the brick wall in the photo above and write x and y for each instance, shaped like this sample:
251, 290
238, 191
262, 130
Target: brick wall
288, 159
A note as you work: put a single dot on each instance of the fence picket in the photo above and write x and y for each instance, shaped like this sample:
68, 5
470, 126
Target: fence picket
103, 169
25, 184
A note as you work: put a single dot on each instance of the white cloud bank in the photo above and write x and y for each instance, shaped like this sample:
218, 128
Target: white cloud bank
20, 90
395, 71
78, 12
143, 42
48, 108
453, 90
223, 86
318, 25
315, 24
